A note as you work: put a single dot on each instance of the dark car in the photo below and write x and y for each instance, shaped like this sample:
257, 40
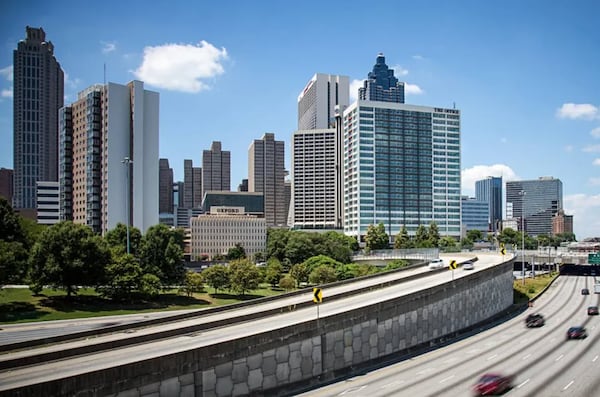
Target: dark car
593, 310
585, 291
576, 333
534, 320
493, 383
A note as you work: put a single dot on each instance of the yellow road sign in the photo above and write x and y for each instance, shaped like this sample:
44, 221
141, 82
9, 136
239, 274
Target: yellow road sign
503, 251
317, 295
453, 264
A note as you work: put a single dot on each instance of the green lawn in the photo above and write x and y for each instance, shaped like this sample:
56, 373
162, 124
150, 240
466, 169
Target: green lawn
20, 305
531, 287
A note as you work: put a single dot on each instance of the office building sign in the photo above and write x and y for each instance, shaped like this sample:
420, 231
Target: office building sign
227, 210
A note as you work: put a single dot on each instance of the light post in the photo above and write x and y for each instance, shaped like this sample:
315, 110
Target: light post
522, 194
127, 161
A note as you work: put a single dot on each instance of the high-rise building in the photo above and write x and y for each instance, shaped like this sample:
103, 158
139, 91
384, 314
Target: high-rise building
243, 186
317, 103
6, 184
165, 187
109, 157
474, 214
216, 169
490, 191
192, 185
47, 203
266, 174
562, 223
37, 95
381, 85
535, 202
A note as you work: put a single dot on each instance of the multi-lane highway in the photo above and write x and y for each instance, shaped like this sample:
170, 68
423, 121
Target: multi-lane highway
543, 361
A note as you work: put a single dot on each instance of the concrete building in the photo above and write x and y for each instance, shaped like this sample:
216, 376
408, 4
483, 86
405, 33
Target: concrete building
216, 169
490, 190
182, 216
318, 101
537, 201
266, 174
47, 202
38, 93
109, 157
215, 232
165, 187
192, 185
474, 214
6, 184
562, 223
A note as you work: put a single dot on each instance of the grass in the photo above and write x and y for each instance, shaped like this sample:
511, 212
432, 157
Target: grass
523, 292
18, 305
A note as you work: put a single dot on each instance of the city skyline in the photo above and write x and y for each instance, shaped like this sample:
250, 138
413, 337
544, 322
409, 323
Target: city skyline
526, 87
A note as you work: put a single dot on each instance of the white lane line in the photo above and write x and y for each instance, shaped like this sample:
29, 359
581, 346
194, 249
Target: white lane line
559, 357
352, 390
569, 385
492, 357
396, 383
595, 358
448, 378
523, 384
526, 357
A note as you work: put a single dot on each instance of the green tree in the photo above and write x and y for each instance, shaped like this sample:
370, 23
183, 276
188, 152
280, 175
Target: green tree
433, 234
244, 276
273, 271
299, 247
320, 260
322, 275
376, 237
402, 239
10, 226
217, 277
335, 245
509, 236
466, 243
13, 262
276, 242
66, 256
300, 273
117, 239
150, 287
236, 252
123, 278
474, 235
193, 283
287, 283
161, 254
447, 244
422, 238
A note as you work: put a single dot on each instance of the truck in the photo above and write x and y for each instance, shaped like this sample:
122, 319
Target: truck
596, 288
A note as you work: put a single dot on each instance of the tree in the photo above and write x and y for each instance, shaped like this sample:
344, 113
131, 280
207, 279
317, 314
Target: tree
402, 239
10, 227
236, 252
161, 254
376, 237
273, 272
300, 273
299, 247
422, 238
320, 260
447, 243
123, 278
335, 245
474, 235
117, 239
13, 262
322, 275
466, 243
193, 282
217, 277
276, 241
433, 234
287, 283
66, 256
395, 264
244, 276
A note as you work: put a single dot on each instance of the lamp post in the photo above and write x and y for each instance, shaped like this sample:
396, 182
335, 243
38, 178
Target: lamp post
127, 161
522, 194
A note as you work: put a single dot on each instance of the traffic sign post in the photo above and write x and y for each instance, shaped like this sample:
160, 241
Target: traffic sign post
317, 298
453, 265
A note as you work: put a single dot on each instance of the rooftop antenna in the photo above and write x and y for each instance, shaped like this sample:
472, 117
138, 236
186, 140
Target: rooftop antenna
453, 105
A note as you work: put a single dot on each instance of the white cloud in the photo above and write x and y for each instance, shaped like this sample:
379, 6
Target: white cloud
591, 149
108, 47
595, 132
7, 93
181, 67
418, 57
594, 181
7, 72
577, 111
354, 86
596, 162
586, 214
479, 172
399, 70
412, 89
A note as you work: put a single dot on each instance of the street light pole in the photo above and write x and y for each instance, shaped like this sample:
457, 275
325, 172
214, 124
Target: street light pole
522, 194
127, 161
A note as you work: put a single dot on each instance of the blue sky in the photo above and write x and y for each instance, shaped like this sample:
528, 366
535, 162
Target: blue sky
523, 73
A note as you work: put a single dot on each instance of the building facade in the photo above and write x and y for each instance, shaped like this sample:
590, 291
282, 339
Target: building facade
47, 203
535, 202
474, 214
6, 184
192, 185
165, 187
216, 169
109, 157
38, 94
319, 100
381, 85
253, 203
266, 175
490, 191
562, 223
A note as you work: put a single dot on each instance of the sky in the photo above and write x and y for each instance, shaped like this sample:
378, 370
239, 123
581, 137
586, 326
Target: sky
524, 74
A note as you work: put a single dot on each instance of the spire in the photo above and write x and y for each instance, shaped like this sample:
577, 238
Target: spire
381, 84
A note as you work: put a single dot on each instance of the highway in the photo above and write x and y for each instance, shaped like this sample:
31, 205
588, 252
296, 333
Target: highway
542, 360
59, 369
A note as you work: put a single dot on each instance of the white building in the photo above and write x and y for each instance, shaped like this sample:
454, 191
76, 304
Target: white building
215, 232
47, 202
318, 101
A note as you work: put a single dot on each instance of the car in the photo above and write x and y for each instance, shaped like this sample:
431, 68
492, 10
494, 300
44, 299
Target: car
534, 321
436, 264
585, 291
592, 310
493, 383
468, 265
577, 332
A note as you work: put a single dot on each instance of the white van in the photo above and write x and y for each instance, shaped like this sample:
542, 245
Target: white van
436, 264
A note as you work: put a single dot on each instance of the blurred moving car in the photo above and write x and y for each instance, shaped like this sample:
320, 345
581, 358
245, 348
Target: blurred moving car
585, 291
578, 332
534, 320
436, 264
468, 265
592, 310
493, 383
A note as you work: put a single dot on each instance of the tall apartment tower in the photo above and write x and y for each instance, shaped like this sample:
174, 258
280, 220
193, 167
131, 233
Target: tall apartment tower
401, 164
109, 157
216, 169
535, 203
192, 185
490, 191
381, 84
165, 187
318, 101
266, 174
37, 96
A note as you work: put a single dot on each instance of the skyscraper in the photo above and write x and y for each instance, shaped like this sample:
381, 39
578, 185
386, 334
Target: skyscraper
6, 184
38, 95
216, 169
535, 202
381, 84
490, 191
192, 185
109, 157
318, 101
165, 187
401, 163
266, 174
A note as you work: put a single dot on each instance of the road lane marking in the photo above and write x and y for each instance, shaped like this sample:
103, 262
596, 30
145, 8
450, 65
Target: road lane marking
448, 378
569, 385
492, 357
526, 357
523, 384
595, 358
352, 390
396, 383
559, 357
425, 371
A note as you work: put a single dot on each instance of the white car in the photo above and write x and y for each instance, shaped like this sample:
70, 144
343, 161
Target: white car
436, 264
468, 265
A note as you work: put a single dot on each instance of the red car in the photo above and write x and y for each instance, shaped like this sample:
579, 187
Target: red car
493, 383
